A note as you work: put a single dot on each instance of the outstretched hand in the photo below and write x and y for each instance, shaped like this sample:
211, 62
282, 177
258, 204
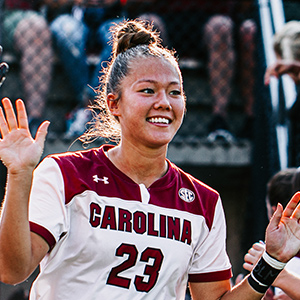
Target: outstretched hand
18, 150
283, 231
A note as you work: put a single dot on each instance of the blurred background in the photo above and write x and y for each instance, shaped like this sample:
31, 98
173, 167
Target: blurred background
236, 133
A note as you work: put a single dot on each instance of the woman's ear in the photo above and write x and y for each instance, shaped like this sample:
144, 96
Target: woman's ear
113, 104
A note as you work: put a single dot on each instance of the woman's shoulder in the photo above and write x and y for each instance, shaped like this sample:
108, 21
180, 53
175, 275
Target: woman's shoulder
77, 160
194, 183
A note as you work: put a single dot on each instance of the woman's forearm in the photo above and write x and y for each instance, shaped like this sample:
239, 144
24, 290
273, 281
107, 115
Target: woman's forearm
15, 241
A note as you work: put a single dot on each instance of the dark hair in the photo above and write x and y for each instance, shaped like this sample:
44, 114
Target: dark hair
131, 40
283, 185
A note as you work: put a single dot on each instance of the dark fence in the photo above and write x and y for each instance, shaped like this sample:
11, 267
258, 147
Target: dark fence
218, 56
220, 51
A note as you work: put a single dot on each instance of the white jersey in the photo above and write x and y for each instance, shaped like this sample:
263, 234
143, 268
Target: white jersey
111, 238
293, 266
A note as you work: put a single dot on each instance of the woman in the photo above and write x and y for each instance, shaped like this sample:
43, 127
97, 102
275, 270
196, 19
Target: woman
123, 222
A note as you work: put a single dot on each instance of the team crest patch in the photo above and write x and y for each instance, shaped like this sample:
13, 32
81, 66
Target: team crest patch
186, 195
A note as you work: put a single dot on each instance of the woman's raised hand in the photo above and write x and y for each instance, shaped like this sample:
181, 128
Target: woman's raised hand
18, 150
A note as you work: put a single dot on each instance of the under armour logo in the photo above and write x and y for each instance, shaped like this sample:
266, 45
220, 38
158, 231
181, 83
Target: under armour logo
104, 179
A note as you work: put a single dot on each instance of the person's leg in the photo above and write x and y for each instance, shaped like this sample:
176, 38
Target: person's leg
247, 34
218, 35
70, 37
32, 39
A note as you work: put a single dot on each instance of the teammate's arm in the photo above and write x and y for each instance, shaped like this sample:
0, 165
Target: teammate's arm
286, 281
289, 283
282, 243
222, 290
20, 250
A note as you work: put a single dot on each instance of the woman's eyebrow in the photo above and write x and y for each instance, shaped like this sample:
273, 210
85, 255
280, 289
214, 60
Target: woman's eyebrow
155, 81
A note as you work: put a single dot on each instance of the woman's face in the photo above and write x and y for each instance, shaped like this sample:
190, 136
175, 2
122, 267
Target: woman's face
152, 104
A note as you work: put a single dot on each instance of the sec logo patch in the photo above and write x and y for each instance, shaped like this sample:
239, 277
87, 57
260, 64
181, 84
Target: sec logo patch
186, 195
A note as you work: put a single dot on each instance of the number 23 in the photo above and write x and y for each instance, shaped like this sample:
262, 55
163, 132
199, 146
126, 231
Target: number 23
151, 270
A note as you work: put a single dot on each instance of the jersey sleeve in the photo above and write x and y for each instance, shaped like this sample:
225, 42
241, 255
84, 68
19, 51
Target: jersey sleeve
47, 210
210, 259
293, 265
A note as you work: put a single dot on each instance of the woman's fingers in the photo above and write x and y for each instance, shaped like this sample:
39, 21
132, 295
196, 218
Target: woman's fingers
10, 120
276, 218
296, 212
41, 133
10, 114
3, 125
21, 114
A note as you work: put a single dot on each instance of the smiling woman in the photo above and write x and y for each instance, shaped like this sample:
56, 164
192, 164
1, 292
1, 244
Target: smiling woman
151, 106
133, 69
122, 221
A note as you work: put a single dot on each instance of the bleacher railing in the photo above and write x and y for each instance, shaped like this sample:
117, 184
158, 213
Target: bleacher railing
272, 19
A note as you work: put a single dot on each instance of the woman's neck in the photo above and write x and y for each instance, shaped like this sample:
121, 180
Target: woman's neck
141, 165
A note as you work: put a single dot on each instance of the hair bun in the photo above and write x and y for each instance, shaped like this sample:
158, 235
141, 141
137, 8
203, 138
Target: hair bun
132, 34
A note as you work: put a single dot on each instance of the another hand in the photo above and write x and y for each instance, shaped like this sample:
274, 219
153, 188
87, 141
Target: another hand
283, 231
18, 150
253, 256
281, 67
